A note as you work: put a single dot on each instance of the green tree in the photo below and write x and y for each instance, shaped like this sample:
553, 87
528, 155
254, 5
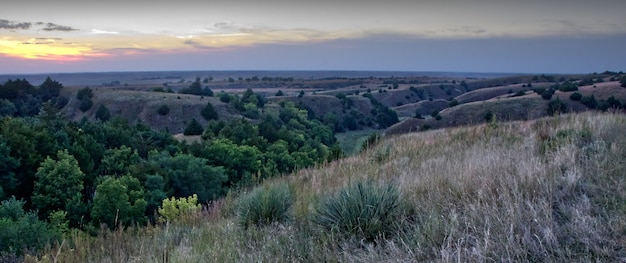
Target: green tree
194, 128
84, 93
209, 113
21, 230
119, 201
8, 163
576, 96
50, 89
188, 175
57, 181
163, 110
118, 161
556, 107
7, 108
195, 88
103, 113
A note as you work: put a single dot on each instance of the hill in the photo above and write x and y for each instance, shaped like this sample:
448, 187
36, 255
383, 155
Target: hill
548, 190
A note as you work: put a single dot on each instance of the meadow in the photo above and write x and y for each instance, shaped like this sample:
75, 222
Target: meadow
545, 190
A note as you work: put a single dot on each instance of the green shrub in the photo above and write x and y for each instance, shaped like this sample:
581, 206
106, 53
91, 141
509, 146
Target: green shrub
103, 113
556, 107
179, 209
84, 93
364, 210
85, 105
547, 94
22, 231
163, 110
576, 96
208, 112
265, 205
589, 101
194, 128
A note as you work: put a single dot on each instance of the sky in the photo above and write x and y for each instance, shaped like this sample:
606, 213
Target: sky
508, 36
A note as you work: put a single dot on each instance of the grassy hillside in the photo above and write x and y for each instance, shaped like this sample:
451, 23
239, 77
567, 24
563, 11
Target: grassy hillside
545, 190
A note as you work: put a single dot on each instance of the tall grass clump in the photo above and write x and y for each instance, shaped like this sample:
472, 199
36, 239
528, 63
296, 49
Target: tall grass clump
265, 205
364, 210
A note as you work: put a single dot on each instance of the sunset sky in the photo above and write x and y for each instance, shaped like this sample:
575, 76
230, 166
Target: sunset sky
532, 36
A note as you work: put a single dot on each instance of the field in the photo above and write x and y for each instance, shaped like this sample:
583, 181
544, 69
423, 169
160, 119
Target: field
545, 190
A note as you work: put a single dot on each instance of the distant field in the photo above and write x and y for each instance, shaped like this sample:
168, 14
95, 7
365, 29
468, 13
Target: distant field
352, 141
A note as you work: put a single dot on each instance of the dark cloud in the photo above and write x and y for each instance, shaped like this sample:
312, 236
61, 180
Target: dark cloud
6, 24
55, 27
197, 45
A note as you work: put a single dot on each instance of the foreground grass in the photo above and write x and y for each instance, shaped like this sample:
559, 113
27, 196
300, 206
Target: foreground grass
543, 191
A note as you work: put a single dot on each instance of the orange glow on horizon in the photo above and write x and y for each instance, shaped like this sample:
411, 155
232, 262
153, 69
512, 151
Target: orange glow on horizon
45, 51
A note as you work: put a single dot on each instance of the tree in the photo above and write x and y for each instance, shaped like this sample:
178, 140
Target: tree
195, 88
589, 101
556, 107
7, 108
118, 161
547, 94
8, 182
103, 113
22, 231
119, 201
50, 89
279, 93
163, 110
57, 181
194, 128
84, 93
623, 82
209, 113
188, 175
576, 96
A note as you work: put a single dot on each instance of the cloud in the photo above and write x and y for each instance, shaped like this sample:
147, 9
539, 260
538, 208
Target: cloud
55, 27
41, 41
103, 32
6, 24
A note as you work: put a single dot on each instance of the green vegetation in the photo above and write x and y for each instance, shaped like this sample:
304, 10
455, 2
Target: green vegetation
363, 211
576, 96
193, 128
264, 206
178, 210
103, 113
557, 107
108, 191
209, 113
84, 95
163, 110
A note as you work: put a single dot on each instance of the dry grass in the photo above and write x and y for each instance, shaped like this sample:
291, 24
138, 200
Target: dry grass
544, 191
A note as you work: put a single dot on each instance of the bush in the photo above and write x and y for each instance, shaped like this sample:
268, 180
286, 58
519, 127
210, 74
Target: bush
589, 101
547, 94
576, 96
265, 205
84, 93
179, 209
208, 112
623, 82
364, 210
103, 113
556, 107
163, 110
22, 231
85, 105
194, 128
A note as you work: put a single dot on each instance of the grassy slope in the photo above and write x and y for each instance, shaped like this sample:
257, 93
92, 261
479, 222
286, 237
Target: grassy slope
141, 106
545, 190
